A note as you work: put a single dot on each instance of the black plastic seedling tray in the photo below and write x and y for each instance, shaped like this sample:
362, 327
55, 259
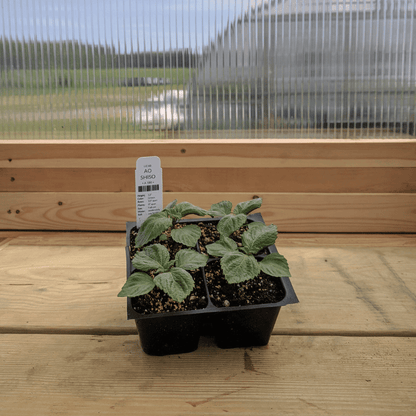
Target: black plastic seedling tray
232, 327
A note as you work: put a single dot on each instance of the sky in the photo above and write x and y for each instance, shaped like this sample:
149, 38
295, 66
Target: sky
129, 25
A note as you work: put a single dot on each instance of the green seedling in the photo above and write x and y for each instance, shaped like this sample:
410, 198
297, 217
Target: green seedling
232, 220
240, 264
171, 276
157, 223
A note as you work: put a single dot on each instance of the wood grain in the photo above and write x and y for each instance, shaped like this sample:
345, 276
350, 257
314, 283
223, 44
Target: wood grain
342, 290
79, 238
362, 289
36, 281
345, 240
93, 179
53, 238
348, 347
89, 375
291, 212
237, 153
206, 179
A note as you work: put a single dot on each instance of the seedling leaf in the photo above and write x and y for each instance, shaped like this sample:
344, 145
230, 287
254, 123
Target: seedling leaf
187, 235
152, 227
247, 206
230, 223
185, 208
155, 257
275, 265
222, 247
256, 238
190, 259
177, 283
255, 224
137, 284
171, 204
220, 209
238, 267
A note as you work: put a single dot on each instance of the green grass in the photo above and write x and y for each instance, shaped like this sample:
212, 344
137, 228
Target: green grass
101, 109
77, 129
51, 81
89, 98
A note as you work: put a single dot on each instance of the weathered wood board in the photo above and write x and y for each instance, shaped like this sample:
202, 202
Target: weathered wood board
217, 179
343, 290
348, 347
118, 239
90, 375
112, 239
285, 153
314, 185
351, 290
292, 212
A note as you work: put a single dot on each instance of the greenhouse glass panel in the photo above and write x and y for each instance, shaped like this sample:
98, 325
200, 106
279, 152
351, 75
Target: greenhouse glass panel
207, 68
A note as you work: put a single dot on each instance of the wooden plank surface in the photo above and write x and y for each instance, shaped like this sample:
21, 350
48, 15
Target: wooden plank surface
298, 212
356, 290
117, 239
342, 290
90, 375
37, 280
348, 347
207, 179
114, 239
261, 153
312, 185
346, 240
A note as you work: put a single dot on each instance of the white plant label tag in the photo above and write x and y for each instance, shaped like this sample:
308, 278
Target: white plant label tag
149, 189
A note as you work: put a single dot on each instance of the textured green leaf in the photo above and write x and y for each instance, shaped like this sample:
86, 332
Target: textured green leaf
223, 246
137, 284
275, 265
153, 257
256, 238
247, 206
186, 208
190, 259
238, 267
187, 235
230, 223
171, 204
220, 209
255, 224
152, 227
177, 283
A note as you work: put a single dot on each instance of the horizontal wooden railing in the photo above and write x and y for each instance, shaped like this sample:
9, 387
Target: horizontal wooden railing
311, 185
